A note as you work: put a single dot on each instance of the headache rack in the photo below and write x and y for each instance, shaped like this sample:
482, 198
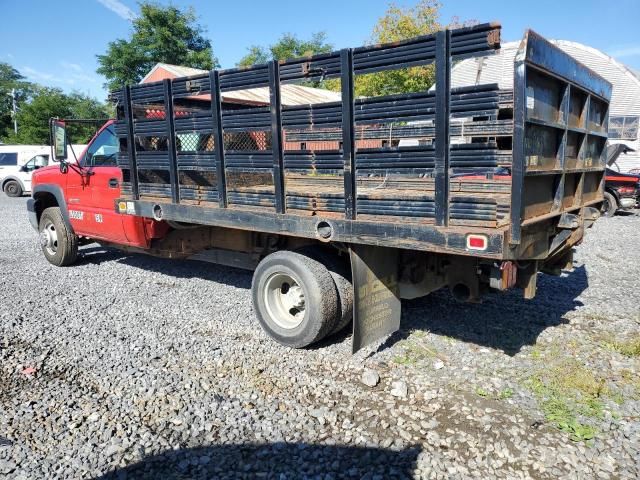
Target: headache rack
271, 148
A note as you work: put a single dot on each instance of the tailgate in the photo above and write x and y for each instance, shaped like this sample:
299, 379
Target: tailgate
561, 111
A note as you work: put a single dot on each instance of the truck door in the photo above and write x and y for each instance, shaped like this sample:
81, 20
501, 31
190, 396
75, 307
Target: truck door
92, 192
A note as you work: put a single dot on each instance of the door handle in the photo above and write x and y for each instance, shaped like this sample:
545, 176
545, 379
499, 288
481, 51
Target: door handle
113, 183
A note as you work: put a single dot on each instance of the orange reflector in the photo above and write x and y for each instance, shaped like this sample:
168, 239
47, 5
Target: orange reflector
122, 206
477, 242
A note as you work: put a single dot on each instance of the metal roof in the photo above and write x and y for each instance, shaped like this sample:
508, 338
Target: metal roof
290, 94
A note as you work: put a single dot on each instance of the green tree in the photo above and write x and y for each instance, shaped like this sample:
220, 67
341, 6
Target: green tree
288, 46
11, 79
160, 34
33, 116
397, 24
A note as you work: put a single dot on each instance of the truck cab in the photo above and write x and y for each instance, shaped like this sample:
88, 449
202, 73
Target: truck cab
78, 195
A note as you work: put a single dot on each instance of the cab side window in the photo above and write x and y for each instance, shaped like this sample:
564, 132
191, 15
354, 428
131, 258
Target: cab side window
36, 162
102, 152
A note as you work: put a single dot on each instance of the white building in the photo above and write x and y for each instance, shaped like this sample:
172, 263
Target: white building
624, 111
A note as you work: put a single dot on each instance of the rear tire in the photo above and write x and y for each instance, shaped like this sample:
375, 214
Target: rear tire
341, 274
13, 189
609, 206
294, 298
59, 244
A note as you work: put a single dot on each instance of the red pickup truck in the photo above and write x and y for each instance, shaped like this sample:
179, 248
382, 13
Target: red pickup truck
343, 207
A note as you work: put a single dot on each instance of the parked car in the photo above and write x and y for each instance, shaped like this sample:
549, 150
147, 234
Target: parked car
621, 190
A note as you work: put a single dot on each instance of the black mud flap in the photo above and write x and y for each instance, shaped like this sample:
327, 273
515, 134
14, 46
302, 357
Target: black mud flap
376, 301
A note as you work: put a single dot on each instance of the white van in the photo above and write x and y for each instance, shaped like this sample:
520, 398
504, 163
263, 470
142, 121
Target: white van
18, 162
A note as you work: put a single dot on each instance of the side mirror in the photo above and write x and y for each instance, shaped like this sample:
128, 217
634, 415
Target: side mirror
24, 168
59, 139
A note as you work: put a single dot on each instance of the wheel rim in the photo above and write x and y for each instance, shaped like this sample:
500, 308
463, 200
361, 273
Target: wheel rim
605, 206
12, 189
284, 300
49, 238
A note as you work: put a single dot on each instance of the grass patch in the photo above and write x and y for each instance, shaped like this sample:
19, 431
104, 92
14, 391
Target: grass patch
628, 348
505, 394
501, 395
546, 352
415, 351
481, 392
571, 397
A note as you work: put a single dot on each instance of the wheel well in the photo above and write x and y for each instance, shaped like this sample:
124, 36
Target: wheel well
9, 179
44, 200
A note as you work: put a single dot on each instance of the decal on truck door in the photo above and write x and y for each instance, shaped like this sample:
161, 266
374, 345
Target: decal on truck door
76, 214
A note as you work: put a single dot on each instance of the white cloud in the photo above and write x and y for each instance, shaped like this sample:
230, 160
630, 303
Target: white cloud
72, 66
119, 8
626, 51
72, 77
38, 75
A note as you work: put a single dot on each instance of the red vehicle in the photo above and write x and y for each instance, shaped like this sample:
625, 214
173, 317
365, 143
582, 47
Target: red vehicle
337, 230
621, 190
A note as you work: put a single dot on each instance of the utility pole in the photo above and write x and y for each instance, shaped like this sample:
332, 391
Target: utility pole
13, 111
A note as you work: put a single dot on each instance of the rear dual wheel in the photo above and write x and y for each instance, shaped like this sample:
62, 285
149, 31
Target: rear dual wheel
296, 298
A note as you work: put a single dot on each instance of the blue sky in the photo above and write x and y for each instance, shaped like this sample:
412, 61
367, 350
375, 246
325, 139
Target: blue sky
55, 42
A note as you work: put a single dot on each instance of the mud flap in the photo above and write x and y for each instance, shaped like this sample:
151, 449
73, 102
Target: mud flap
376, 300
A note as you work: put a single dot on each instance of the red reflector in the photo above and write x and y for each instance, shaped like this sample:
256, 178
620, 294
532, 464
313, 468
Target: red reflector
476, 242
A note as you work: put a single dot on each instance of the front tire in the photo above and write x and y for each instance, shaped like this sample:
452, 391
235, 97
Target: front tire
13, 189
59, 244
610, 205
294, 298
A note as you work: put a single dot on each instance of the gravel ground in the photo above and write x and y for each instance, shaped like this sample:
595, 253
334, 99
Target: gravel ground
126, 366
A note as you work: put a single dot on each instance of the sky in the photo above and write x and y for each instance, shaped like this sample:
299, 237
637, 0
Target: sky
56, 43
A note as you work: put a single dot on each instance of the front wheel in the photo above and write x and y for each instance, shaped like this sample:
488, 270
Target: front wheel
13, 189
610, 205
59, 244
294, 298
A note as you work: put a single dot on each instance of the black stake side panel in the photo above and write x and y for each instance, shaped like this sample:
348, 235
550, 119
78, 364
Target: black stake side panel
539, 68
171, 141
348, 150
398, 235
276, 135
518, 152
131, 147
216, 115
410, 217
443, 104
